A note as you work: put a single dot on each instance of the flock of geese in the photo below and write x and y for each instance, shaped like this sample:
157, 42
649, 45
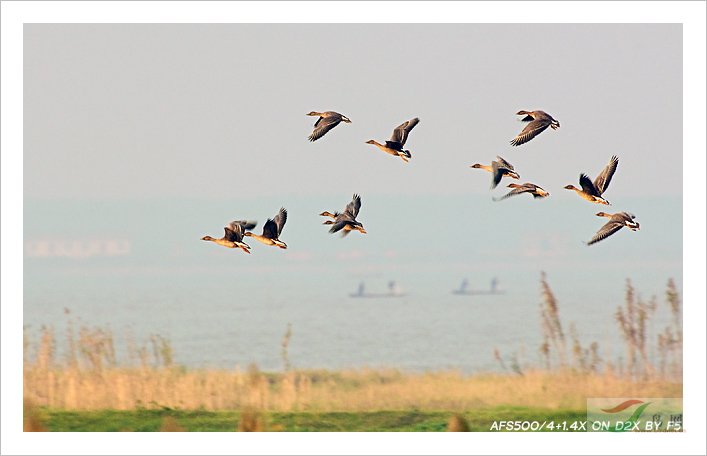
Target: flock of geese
345, 221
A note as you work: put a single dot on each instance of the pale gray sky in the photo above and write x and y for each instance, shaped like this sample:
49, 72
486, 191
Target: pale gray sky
217, 111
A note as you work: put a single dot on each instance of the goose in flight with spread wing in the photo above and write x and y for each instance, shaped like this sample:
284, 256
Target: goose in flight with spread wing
327, 120
533, 189
538, 121
498, 169
346, 220
233, 235
615, 223
397, 141
272, 230
593, 191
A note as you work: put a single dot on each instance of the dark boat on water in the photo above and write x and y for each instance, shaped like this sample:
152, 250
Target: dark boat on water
394, 291
464, 289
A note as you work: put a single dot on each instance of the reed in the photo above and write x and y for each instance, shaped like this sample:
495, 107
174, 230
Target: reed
670, 339
252, 420
457, 423
349, 390
553, 335
169, 424
34, 419
285, 344
632, 319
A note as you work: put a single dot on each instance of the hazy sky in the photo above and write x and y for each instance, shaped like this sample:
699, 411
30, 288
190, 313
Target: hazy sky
218, 111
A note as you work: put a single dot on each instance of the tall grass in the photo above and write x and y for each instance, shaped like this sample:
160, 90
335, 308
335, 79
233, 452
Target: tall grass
670, 339
553, 335
563, 350
350, 390
632, 319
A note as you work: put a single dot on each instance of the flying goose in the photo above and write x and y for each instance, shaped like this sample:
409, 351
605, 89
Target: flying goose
397, 141
498, 169
593, 191
538, 122
272, 230
533, 189
233, 235
615, 223
346, 220
327, 120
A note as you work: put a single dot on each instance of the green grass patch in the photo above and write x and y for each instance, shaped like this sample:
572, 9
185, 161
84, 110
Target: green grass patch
226, 421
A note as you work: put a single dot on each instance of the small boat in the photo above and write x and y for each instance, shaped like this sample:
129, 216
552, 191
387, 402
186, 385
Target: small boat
464, 289
394, 291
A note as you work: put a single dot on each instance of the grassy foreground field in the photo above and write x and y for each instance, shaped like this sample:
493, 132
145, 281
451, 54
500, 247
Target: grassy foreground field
227, 421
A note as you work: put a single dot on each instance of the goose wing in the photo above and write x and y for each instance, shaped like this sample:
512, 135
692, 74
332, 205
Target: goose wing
587, 186
601, 183
496, 173
323, 125
605, 231
243, 224
339, 224
326, 115
353, 207
401, 132
280, 220
516, 191
270, 229
233, 234
533, 129
503, 163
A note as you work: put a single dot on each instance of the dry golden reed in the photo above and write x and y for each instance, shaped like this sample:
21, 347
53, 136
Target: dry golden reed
33, 421
349, 390
457, 423
251, 421
553, 335
169, 424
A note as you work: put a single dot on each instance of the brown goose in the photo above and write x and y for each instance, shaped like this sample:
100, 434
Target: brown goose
593, 191
533, 189
327, 120
615, 223
233, 235
397, 141
272, 230
346, 220
538, 122
498, 169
